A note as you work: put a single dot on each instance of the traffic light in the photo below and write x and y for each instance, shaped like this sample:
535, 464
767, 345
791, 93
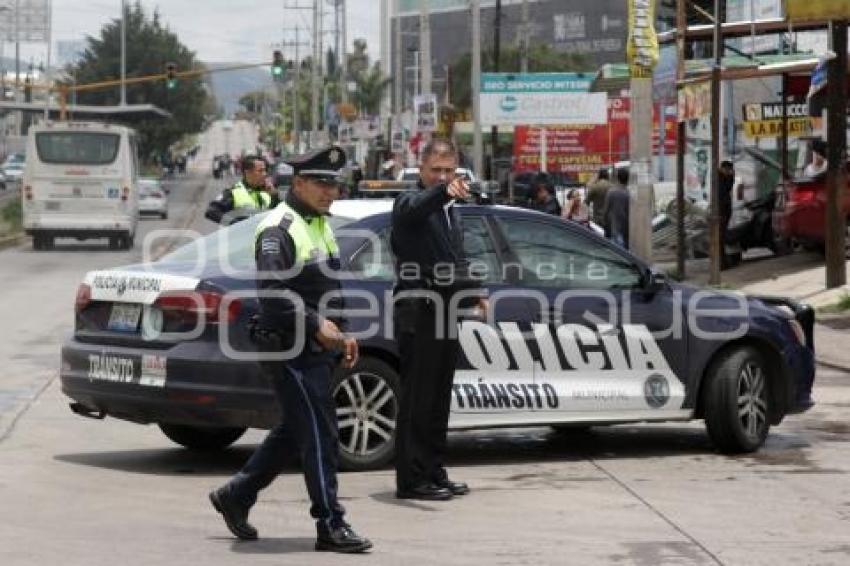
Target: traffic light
278, 66
170, 75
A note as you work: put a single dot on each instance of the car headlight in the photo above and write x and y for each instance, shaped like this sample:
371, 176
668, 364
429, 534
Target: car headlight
797, 329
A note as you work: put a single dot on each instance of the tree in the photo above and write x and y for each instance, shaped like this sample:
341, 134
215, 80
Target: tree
541, 59
371, 86
150, 45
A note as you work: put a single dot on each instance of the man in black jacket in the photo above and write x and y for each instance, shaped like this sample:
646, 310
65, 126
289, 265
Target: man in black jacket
427, 241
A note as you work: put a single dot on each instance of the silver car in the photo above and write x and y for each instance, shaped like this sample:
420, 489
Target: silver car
152, 198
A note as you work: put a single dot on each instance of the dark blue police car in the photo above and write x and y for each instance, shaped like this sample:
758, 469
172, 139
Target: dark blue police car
580, 333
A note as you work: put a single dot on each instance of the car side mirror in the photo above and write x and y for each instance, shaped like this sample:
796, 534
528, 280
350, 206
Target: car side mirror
656, 281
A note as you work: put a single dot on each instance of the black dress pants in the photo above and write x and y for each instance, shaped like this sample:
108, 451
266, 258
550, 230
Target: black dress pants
427, 371
303, 389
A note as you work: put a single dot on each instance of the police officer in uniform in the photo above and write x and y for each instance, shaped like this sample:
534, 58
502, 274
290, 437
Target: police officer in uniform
295, 248
427, 237
253, 193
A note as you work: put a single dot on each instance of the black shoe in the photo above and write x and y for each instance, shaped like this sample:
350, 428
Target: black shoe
427, 492
341, 539
456, 487
235, 515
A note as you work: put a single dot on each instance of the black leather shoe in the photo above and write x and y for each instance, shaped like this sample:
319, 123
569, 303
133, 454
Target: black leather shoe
341, 539
235, 515
427, 492
456, 487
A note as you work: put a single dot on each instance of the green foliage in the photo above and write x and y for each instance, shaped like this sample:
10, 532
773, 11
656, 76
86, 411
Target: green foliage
841, 306
150, 46
10, 218
542, 58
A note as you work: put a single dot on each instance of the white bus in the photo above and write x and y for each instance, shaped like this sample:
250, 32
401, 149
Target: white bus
81, 181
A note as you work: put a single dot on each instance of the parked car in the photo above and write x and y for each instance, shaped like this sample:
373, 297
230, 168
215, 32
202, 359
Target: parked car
800, 212
152, 198
13, 172
168, 342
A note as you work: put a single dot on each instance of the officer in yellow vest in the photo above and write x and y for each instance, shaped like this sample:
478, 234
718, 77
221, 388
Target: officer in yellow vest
295, 249
248, 196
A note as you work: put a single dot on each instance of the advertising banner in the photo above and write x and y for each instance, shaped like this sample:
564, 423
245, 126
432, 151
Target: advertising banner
765, 120
425, 110
539, 99
694, 101
807, 10
642, 46
581, 150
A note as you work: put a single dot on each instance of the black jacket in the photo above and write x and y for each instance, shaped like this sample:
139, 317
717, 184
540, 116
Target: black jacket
426, 234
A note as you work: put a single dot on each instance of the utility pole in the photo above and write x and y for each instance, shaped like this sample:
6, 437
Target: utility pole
398, 75
497, 56
836, 186
714, 243
477, 142
296, 80
526, 36
425, 47
681, 141
314, 73
47, 74
641, 33
343, 53
123, 53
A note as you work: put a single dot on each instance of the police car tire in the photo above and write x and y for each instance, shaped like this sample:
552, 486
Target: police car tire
739, 373
383, 455
201, 439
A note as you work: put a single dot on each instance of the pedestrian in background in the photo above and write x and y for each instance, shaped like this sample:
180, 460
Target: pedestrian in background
253, 193
615, 211
542, 197
595, 198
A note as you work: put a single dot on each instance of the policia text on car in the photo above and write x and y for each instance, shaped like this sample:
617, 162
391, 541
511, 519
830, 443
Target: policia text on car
250, 195
297, 234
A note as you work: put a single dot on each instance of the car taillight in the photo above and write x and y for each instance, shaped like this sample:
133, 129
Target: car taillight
83, 297
28, 192
191, 304
125, 194
157, 194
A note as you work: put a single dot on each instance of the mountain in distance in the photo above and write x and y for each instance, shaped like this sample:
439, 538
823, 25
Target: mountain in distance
229, 86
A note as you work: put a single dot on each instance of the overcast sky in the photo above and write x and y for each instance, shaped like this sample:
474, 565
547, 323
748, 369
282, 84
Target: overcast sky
217, 30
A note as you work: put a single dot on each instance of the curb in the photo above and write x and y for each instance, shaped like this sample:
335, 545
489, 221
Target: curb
832, 365
12, 240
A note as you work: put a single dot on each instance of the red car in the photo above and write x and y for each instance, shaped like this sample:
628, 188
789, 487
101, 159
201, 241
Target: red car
800, 213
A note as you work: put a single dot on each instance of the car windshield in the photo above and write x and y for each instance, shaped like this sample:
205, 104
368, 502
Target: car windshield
233, 244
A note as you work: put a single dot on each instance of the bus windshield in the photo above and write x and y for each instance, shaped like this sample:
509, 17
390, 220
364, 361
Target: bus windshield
77, 148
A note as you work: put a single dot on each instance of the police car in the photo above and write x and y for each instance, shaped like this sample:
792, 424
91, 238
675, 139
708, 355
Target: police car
580, 333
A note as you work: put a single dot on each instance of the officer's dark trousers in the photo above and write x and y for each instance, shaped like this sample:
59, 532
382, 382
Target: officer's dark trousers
303, 390
427, 371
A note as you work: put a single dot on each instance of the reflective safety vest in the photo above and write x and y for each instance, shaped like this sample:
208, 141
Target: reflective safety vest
243, 198
314, 241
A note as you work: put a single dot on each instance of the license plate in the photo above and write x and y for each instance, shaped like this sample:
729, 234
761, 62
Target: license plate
51, 205
124, 317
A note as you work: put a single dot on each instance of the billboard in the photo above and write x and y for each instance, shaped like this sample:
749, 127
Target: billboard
540, 99
29, 24
642, 48
425, 112
580, 150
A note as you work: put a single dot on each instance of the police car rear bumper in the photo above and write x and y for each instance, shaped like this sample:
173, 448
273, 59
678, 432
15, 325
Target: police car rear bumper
185, 385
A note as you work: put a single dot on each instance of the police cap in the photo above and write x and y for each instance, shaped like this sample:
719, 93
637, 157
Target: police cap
326, 163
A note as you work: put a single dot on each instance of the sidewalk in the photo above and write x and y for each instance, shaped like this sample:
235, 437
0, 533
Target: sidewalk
799, 276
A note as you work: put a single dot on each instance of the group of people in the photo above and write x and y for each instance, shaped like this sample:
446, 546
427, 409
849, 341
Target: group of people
605, 203
426, 233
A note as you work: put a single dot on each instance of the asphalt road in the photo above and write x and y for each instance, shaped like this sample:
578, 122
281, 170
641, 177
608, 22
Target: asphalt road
77, 491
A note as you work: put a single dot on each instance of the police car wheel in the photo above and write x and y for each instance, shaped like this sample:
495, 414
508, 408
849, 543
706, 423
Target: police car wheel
366, 399
736, 401
201, 439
